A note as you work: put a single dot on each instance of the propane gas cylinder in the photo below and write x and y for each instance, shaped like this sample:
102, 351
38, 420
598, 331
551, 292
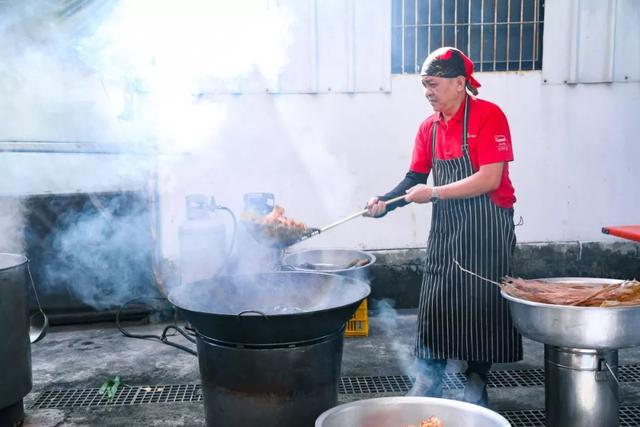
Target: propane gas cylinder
202, 239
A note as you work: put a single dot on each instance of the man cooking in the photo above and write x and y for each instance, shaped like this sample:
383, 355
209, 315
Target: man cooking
466, 144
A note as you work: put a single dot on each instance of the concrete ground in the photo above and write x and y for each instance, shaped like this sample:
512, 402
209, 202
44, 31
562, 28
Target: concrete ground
80, 359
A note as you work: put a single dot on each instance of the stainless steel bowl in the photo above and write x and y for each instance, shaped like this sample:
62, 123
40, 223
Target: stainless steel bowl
336, 261
402, 411
605, 328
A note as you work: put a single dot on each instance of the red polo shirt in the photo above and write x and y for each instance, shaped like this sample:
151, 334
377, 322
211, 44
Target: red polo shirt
489, 142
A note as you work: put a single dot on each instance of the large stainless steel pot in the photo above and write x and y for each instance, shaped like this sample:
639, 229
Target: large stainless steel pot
402, 411
15, 350
581, 387
270, 308
581, 357
346, 262
598, 328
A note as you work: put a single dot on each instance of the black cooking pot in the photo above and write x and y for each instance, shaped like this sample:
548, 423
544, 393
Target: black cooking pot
270, 308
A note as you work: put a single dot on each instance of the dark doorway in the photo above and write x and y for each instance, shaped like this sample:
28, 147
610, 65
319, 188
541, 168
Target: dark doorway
90, 253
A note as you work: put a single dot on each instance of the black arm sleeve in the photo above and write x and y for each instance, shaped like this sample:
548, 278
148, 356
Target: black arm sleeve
410, 179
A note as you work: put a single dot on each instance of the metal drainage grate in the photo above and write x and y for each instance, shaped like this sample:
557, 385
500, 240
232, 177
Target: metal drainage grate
125, 396
370, 385
399, 384
629, 373
451, 381
515, 378
393, 384
457, 381
525, 418
56, 399
629, 417
454, 381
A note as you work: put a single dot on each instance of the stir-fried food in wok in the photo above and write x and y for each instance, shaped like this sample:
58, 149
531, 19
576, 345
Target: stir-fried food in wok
275, 228
624, 293
430, 422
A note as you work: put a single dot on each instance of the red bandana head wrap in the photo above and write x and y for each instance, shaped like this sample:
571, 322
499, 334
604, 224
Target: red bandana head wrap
449, 62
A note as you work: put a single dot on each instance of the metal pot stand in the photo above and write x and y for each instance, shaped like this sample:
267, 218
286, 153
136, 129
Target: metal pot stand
581, 355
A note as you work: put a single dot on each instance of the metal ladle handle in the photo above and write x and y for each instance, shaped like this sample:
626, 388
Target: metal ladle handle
358, 214
612, 375
316, 231
38, 331
33, 286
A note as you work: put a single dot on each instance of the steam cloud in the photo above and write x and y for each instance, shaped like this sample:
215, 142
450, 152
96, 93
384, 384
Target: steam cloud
388, 318
99, 253
109, 72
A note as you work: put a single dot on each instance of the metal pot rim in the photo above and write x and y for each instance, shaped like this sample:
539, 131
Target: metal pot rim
568, 280
371, 257
366, 289
20, 260
450, 403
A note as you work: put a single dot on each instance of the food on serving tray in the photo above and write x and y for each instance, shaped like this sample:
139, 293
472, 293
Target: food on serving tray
276, 227
430, 422
624, 293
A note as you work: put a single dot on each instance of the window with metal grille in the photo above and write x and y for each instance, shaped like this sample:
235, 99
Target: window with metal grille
498, 35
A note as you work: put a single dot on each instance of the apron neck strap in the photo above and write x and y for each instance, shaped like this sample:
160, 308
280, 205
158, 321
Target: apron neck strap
465, 122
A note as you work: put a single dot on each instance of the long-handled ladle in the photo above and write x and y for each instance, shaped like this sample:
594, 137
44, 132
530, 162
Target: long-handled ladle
316, 231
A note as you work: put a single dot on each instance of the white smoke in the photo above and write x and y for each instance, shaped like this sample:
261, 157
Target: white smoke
99, 252
425, 372
388, 318
162, 60
11, 226
129, 75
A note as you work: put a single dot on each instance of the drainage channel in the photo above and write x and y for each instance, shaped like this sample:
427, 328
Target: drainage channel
457, 380
136, 395
629, 417
364, 386
77, 398
452, 381
400, 384
127, 395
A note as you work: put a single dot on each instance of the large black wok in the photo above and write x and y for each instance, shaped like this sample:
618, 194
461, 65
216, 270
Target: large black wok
270, 308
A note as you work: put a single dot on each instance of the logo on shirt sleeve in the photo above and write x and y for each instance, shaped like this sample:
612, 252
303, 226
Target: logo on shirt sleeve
501, 142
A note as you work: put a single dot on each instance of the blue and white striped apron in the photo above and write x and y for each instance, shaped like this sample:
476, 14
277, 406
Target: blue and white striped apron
461, 316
